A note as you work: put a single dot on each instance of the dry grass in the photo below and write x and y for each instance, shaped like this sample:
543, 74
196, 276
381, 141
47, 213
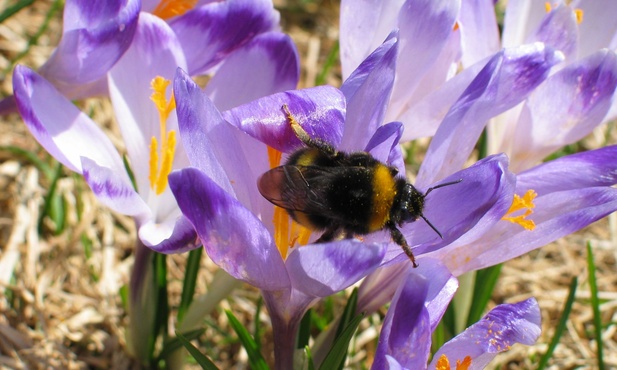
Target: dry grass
59, 302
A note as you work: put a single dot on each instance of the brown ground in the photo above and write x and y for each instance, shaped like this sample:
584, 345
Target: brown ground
59, 303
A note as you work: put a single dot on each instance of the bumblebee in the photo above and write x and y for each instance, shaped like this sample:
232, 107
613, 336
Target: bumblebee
343, 194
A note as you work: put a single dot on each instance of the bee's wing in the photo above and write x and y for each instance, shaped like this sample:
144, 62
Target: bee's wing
297, 188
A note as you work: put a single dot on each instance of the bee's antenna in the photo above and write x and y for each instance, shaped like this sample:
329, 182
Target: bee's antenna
441, 186
431, 225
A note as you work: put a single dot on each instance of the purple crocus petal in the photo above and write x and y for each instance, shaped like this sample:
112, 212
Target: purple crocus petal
479, 30
505, 81
425, 28
268, 64
498, 331
157, 237
155, 51
207, 139
364, 26
319, 110
210, 32
232, 236
566, 108
406, 332
113, 190
559, 30
367, 92
62, 129
96, 33
599, 26
520, 19
320, 270
481, 199
384, 145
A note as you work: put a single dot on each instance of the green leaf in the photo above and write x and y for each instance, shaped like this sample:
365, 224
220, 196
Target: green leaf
335, 358
161, 297
486, 279
190, 280
567, 308
201, 359
11, 10
173, 344
304, 331
595, 305
330, 61
256, 360
309, 358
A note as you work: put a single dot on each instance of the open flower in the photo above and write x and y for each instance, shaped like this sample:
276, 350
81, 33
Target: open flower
144, 109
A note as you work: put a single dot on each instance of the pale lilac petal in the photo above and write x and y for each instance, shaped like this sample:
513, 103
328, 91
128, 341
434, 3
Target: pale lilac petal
559, 30
498, 331
406, 332
232, 236
211, 32
384, 145
319, 110
320, 270
174, 236
268, 64
364, 26
60, 127
566, 108
208, 140
521, 18
113, 190
425, 27
367, 92
505, 81
155, 51
479, 30
95, 35
599, 25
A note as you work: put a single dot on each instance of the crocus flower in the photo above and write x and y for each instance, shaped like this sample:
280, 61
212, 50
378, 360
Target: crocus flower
97, 33
417, 307
219, 196
147, 124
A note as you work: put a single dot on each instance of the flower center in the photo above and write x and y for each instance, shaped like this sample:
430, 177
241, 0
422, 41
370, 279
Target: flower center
161, 158
444, 363
173, 8
518, 204
577, 12
287, 232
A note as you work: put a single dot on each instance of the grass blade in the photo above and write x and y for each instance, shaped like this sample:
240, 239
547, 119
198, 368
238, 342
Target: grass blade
256, 360
201, 359
190, 279
336, 356
565, 313
486, 279
595, 305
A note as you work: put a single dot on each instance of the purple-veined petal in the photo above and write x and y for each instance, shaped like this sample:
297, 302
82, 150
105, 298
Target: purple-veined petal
60, 127
210, 32
155, 51
364, 26
95, 35
564, 109
211, 144
156, 236
559, 30
112, 189
505, 81
383, 145
479, 30
481, 199
320, 270
268, 64
319, 110
406, 332
367, 92
425, 28
498, 331
599, 27
232, 236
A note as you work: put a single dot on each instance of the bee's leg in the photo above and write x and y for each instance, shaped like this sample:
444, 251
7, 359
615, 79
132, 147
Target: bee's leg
304, 136
399, 239
329, 235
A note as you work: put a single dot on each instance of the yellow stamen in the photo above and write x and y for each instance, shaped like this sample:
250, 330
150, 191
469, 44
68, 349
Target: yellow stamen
444, 363
161, 164
518, 204
456, 26
173, 8
579, 15
548, 7
287, 232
